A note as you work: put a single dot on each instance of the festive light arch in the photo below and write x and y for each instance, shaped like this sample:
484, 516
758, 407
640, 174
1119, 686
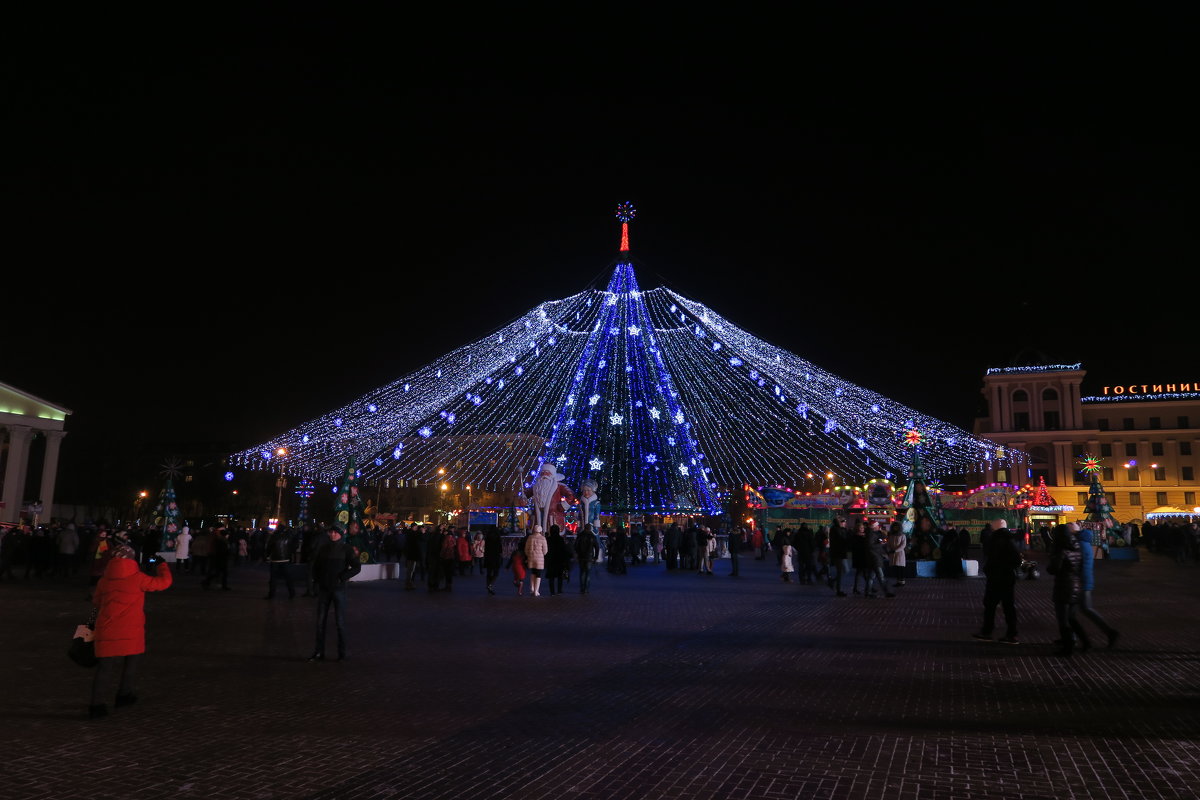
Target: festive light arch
660, 399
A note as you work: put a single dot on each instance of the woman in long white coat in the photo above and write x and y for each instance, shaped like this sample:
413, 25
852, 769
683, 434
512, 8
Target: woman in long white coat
897, 544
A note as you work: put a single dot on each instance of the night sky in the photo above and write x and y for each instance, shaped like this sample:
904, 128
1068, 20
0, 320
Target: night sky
229, 226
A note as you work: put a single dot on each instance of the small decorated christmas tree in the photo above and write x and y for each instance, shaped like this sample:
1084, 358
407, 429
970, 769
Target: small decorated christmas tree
1099, 512
917, 503
348, 514
166, 516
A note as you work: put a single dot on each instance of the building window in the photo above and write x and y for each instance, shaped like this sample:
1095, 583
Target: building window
1132, 474
1189, 498
1185, 448
1019, 396
1156, 448
1128, 423
1102, 424
1131, 449
1160, 473
1155, 423
1002, 475
1183, 422
1160, 498
1108, 474
1052, 420
1020, 420
1187, 473
1135, 499
1106, 450
1049, 395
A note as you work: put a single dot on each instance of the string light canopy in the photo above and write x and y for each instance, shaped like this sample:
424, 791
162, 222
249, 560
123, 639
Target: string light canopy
662, 401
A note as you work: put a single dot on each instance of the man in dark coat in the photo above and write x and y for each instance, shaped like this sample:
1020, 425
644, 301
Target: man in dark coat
279, 560
414, 560
333, 565
493, 554
671, 544
1001, 563
587, 550
839, 547
218, 560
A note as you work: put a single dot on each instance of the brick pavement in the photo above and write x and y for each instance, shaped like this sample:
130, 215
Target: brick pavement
657, 685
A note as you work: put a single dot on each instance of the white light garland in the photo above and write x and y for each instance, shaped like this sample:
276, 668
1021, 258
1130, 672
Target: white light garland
484, 413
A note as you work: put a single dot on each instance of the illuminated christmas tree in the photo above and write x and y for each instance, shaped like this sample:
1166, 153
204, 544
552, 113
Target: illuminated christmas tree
166, 516
348, 513
918, 503
304, 489
1099, 513
656, 397
166, 513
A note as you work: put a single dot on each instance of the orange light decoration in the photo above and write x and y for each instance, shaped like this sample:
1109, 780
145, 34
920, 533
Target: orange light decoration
625, 213
912, 438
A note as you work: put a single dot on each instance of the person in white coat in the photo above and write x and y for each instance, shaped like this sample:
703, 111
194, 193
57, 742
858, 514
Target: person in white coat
535, 555
897, 544
183, 549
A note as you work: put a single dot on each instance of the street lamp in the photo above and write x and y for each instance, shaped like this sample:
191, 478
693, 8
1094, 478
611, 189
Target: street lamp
468, 508
1131, 464
279, 484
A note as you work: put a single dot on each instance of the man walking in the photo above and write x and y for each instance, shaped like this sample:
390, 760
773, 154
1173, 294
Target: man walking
1001, 566
333, 565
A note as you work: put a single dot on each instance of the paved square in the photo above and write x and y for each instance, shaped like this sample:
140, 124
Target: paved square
656, 685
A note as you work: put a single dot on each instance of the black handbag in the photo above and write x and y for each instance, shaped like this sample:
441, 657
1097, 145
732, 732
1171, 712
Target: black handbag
83, 650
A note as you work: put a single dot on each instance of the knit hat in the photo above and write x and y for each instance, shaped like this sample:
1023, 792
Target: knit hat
123, 551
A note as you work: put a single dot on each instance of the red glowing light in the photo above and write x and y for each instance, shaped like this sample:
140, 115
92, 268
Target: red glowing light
624, 237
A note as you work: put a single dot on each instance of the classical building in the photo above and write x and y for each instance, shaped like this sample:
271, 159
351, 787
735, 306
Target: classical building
1147, 437
25, 419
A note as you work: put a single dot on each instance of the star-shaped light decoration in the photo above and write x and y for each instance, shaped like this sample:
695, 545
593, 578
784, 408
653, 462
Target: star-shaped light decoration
654, 413
596, 464
1089, 464
616, 419
912, 437
593, 400
171, 468
683, 469
651, 458
634, 330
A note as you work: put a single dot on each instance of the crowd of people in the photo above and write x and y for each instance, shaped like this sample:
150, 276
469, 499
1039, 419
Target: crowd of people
124, 562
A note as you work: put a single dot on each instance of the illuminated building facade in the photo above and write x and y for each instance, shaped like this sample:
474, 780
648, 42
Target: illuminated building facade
1146, 435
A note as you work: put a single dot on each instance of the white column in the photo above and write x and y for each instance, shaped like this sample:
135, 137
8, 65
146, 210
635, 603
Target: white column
19, 437
50, 472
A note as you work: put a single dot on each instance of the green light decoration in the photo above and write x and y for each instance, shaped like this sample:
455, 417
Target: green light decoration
1099, 512
1089, 465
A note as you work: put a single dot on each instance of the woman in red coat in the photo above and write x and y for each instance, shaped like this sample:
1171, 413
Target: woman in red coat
120, 632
